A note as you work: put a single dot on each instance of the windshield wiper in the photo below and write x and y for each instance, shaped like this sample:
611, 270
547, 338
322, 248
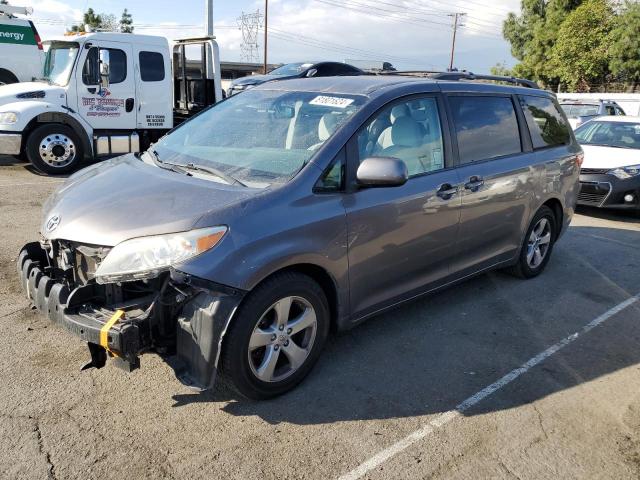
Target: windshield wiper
213, 171
165, 165
610, 146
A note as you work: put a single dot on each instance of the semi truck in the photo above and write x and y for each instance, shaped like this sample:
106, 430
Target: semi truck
104, 94
21, 53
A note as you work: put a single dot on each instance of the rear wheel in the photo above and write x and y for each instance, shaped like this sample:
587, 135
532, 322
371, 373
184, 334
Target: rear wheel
537, 246
276, 337
7, 77
54, 149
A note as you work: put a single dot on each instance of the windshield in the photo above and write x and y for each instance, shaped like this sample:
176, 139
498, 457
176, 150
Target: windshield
579, 109
59, 61
290, 69
610, 134
260, 137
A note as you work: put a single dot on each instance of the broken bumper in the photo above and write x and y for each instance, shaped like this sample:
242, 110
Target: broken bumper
197, 325
53, 299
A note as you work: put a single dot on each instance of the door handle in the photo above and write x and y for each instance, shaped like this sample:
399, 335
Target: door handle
446, 191
128, 105
91, 90
474, 183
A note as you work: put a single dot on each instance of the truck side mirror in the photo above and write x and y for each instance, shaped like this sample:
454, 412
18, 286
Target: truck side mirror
104, 68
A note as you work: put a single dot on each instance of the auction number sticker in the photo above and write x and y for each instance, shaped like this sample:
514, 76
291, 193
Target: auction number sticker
326, 101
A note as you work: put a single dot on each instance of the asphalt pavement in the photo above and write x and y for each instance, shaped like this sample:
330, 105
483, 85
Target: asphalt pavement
497, 377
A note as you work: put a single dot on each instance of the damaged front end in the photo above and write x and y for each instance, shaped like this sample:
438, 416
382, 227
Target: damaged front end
179, 316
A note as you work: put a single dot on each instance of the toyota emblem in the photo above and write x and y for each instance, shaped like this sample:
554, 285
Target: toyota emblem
52, 223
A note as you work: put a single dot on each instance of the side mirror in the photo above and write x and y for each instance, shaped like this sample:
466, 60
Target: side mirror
382, 172
104, 68
311, 72
284, 111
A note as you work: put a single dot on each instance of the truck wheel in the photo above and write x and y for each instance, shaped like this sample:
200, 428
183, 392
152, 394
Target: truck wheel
7, 77
275, 337
54, 149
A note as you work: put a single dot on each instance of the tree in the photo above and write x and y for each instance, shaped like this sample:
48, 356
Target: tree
501, 70
624, 41
101, 21
126, 22
532, 35
108, 22
580, 56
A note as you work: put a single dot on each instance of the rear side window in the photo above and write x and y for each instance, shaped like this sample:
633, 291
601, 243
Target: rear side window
486, 127
547, 126
151, 66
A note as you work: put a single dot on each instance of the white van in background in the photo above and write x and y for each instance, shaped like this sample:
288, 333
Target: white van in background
21, 55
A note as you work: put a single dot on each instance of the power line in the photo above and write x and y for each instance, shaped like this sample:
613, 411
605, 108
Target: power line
349, 5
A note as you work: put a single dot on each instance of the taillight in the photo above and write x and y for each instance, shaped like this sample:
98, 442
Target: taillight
36, 35
579, 159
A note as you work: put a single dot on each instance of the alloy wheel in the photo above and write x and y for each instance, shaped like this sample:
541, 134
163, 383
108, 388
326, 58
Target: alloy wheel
539, 242
57, 150
282, 339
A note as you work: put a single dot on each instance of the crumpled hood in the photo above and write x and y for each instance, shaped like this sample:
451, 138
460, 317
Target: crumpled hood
609, 157
8, 93
124, 198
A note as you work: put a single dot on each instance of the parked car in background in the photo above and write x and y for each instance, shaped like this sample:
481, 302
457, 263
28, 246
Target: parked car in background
610, 174
243, 237
581, 111
21, 54
295, 70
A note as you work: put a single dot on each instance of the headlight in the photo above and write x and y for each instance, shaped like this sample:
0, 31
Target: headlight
625, 172
146, 257
8, 118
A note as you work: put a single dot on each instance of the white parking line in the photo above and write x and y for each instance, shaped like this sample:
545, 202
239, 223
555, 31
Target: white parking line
28, 183
444, 418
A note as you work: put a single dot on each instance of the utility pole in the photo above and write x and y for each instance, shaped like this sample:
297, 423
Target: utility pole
266, 23
208, 15
457, 17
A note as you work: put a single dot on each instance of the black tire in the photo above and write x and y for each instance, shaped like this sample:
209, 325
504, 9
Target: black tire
64, 141
236, 372
7, 77
523, 269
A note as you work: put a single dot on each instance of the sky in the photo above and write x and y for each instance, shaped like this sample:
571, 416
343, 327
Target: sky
411, 34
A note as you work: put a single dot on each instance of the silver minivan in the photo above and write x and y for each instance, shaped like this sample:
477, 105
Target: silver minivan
239, 241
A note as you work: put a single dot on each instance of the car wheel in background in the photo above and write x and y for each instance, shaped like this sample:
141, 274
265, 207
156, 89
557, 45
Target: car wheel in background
54, 149
275, 337
537, 245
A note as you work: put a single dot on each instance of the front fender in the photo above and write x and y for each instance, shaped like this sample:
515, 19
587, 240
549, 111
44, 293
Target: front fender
34, 112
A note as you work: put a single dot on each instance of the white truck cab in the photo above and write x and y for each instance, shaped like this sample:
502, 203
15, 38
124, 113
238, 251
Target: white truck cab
103, 94
21, 54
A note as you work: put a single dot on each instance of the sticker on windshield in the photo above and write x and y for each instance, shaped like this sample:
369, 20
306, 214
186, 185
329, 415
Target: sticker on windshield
326, 101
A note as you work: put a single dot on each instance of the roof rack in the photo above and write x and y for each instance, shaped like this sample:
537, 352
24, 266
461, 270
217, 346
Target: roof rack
465, 76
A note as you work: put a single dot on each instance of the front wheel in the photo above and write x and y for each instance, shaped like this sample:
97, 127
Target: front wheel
54, 149
537, 245
276, 337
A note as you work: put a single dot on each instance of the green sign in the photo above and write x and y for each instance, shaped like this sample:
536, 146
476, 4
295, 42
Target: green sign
18, 34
